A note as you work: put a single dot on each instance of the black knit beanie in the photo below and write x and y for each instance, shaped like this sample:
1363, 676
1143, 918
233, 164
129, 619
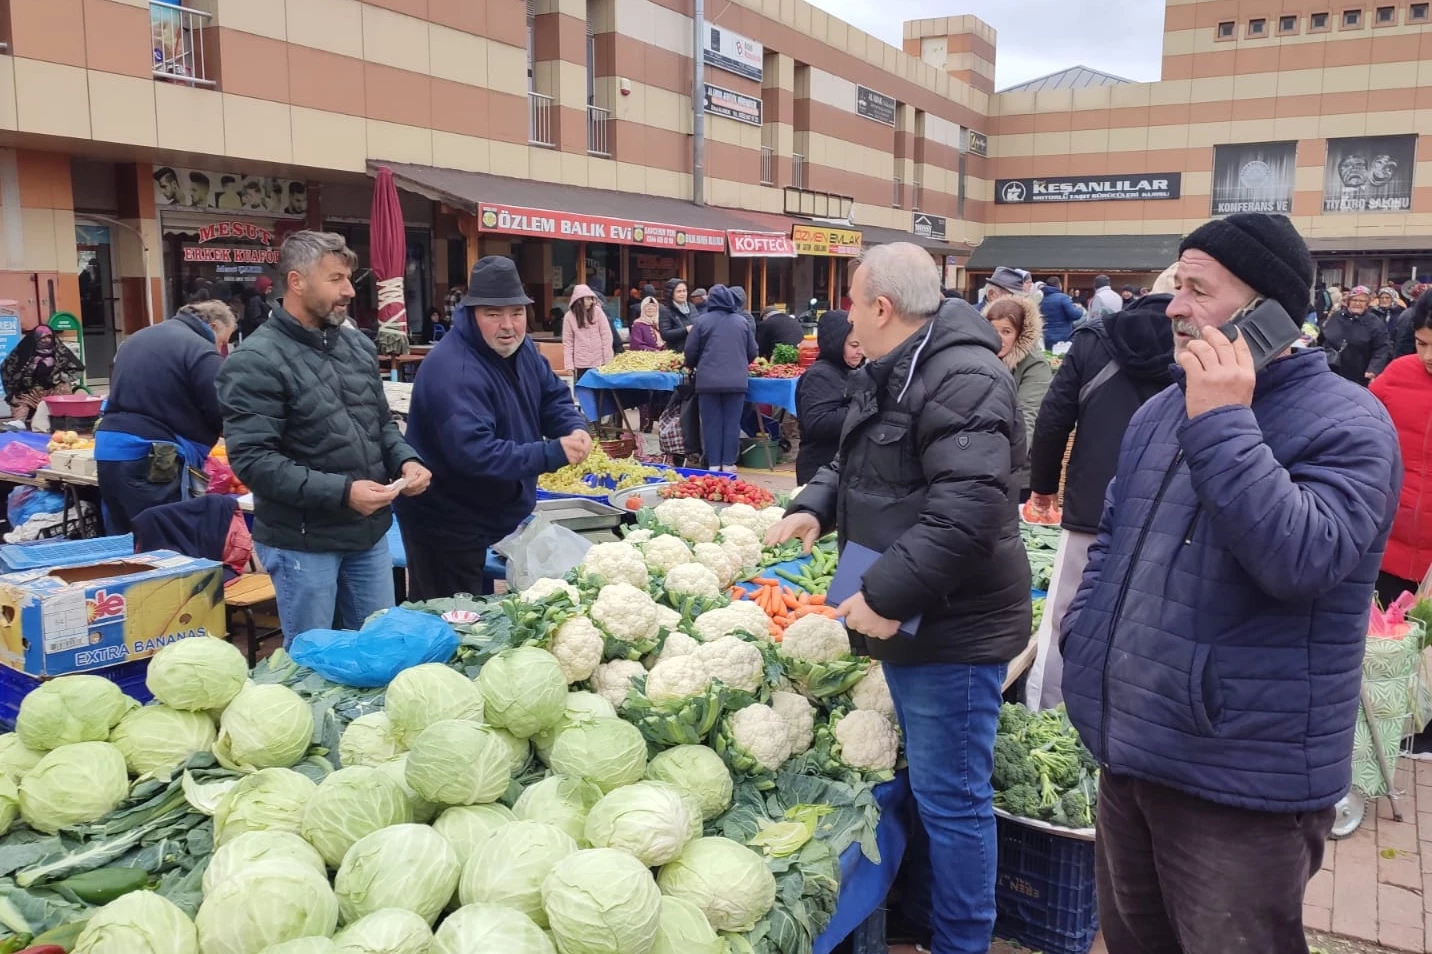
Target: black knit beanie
1265, 251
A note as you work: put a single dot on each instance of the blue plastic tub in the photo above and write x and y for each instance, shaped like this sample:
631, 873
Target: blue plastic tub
43, 554
608, 484
15, 685
1045, 889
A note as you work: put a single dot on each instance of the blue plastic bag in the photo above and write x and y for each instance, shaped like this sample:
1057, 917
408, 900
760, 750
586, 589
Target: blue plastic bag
26, 502
384, 647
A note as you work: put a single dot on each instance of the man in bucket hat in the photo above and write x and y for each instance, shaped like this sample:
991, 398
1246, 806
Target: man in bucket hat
488, 415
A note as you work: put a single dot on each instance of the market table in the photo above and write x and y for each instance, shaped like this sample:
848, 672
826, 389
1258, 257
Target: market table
777, 392
860, 906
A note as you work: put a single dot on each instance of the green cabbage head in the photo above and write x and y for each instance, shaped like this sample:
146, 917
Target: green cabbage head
9, 803
699, 772
729, 882
269, 800
581, 707
489, 929
255, 847
265, 904
70, 709
562, 801
432, 692
349, 804
602, 901
197, 675
467, 827
685, 930
17, 758
652, 820
459, 763
302, 945
511, 865
523, 690
609, 753
424, 811
406, 866
389, 931
140, 922
268, 726
72, 785
369, 740
158, 739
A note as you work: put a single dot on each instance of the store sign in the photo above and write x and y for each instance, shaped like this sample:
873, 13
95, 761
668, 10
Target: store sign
761, 244
514, 220
977, 143
1369, 174
929, 226
733, 105
1253, 177
1147, 185
235, 230
876, 106
230, 255
820, 240
732, 52
176, 188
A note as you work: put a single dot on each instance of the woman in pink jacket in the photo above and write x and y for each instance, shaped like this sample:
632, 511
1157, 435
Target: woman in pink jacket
586, 334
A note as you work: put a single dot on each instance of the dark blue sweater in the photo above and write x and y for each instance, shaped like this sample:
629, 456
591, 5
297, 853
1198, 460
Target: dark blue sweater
1215, 645
721, 345
486, 426
163, 384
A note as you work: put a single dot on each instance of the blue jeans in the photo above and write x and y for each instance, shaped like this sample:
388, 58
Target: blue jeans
948, 714
312, 586
721, 426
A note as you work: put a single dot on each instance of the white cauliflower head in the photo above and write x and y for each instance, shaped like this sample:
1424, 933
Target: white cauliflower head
872, 692
664, 552
741, 515
815, 638
616, 563
676, 644
799, 716
625, 612
667, 618
770, 516
718, 561
612, 680
693, 579
734, 661
867, 740
577, 644
695, 520
742, 616
762, 732
639, 536
677, 678
545, 587
743, 544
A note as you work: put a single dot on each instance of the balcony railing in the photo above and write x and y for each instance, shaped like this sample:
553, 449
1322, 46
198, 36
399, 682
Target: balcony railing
798, 171
915, 196
540, 110
598, 129
897, 200
179, 44
768, 166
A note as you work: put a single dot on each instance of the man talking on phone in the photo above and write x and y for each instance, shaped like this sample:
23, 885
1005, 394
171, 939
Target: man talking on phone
1212, 656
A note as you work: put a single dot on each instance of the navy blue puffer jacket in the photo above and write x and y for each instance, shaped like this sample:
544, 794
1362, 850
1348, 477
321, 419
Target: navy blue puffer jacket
1215, 645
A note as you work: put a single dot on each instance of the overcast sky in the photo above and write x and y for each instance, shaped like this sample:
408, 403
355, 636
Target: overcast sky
1035, 37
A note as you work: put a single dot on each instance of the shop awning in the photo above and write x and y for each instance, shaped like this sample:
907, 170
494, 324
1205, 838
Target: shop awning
878, 236
1076, 253
1412, 244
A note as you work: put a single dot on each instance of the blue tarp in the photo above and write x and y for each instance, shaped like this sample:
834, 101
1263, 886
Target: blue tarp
780, 392
863, 883
496, 568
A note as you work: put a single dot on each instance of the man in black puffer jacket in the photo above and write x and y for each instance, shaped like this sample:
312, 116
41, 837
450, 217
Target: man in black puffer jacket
309, 430
1114, 365
923, 477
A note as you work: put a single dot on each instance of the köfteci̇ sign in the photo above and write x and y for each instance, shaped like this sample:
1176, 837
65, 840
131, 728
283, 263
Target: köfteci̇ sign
733, 105
730, 51
516, 220
1136, 186
760, 244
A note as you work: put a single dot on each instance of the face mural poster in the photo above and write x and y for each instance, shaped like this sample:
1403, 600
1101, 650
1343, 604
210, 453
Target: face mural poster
1253, 177
1369, 174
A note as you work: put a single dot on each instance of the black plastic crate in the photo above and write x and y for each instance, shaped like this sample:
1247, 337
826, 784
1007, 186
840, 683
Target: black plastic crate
15, 685
1045, 889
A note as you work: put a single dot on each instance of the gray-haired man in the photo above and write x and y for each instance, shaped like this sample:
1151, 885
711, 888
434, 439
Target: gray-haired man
309, 430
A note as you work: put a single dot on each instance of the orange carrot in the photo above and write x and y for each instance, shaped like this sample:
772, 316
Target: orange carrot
789, 600
817, 599
765, 581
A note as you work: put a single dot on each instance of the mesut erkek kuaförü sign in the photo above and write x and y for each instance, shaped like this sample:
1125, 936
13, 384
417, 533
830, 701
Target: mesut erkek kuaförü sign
1139, 185
1253, 177
1369, 174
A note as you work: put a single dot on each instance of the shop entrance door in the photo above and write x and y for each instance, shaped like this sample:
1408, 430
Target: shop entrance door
97, 309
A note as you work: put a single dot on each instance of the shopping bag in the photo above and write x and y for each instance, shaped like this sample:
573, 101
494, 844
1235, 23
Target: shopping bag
541, 549
386, 645
670, 427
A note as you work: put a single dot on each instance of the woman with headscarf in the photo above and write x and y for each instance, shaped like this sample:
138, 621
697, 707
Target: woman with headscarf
39, 367
676, 315
1017, 320
644, 336
820, 394
1357, 341
1388, 307
586, 334
720, 349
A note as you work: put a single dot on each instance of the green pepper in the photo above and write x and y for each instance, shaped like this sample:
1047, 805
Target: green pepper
63, 937
103, 885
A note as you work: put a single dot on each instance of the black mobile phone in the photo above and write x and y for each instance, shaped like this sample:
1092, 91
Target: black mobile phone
1267, 328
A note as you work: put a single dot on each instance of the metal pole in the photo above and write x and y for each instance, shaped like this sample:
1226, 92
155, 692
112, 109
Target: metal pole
698, 105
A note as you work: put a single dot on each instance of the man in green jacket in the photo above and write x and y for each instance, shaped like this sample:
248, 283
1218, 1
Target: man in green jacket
309, 430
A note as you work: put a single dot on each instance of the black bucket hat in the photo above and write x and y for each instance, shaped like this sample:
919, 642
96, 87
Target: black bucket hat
494, 283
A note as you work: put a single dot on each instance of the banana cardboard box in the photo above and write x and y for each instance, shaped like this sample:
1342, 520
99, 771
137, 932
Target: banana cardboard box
90, 616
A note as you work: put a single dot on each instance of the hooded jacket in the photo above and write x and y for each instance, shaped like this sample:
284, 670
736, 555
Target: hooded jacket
488, 427
1216, 643
1059, 313
590, 346
721, 345
922, 476
1405, 389
1099, 403
820, 396
1357, 345
673, 323
1031, 371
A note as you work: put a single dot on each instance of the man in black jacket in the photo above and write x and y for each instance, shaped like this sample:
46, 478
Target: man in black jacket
309, 430
776, 327
1113, 366
923, 478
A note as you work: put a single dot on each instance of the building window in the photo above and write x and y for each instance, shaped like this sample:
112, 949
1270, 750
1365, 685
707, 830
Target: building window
1352, 19
1418, 12
1386, 15
1287, 24
1225, 30
1318, 21
1258, 27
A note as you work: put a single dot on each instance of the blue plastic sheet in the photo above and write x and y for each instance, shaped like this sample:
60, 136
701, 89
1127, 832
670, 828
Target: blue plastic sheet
374, 655
863, 883
780, 392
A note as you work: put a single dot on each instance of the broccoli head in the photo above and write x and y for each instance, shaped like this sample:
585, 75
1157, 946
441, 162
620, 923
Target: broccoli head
1074, 810
1012, 765
1014, 719
1022, 800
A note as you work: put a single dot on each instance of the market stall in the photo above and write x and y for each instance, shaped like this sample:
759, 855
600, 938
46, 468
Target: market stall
776, 392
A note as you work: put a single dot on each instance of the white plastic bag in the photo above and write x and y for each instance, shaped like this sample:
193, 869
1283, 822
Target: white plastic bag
541, 549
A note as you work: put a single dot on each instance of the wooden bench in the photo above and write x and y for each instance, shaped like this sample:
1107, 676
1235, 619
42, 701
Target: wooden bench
246, 594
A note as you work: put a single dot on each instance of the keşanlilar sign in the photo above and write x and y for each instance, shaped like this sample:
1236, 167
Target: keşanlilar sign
730, 51
1369, 174
516, 220
1145, 185
733, 105
1253, 177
